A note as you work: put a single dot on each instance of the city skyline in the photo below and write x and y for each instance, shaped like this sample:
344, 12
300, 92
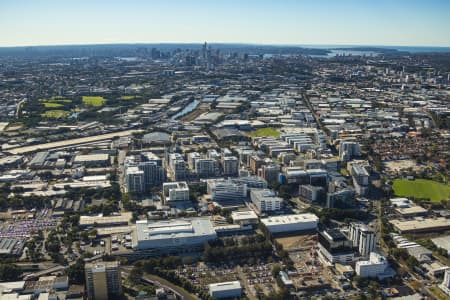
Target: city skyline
374, 23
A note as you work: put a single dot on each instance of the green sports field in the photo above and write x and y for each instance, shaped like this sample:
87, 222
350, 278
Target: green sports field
269, 131
56, 99
95, 101
52, 105
126, 97
55, 114
421, 188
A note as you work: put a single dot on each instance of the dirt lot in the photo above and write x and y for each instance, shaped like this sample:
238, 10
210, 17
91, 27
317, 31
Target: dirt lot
398, 165
309, 273
303, 242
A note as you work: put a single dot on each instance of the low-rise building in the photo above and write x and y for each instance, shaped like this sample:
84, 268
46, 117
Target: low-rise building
246, 217
376, 267
226, 191
222, 290
443, 242
420, 224
265, 200
310, 193
175, 191
334, 247
105, 221
173, 236
92, 160
291, 223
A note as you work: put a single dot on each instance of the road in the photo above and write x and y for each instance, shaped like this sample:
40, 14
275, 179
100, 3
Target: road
71, 142
244, 280
18, 107
313, 111
120, 174
158, 281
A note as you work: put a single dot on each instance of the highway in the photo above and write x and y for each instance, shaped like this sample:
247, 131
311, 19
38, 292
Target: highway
71, 142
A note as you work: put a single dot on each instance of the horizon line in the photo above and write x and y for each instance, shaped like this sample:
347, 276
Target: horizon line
224, 43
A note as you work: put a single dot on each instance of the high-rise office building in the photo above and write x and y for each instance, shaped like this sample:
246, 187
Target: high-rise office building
445, 285
230, 165
153, 172
134, 180
255, 162
226, 191
103, 280
178, 166
367, 241
363, 238
206, 167
270, 172
192, 158
348, 150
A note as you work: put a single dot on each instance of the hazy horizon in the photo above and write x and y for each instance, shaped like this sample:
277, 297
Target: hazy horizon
291, 23
318, 46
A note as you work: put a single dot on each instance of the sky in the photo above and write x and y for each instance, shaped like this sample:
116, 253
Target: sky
299, 22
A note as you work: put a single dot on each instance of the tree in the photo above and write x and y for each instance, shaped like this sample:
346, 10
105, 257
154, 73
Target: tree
136, 274
276, 268
360, 281
9, 272
75, 272
412, 262
188, 260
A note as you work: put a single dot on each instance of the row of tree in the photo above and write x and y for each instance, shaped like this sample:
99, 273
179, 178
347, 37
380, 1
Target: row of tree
159, 266
219, 254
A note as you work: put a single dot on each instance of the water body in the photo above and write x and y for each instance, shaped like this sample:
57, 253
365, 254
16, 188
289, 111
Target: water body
341, 52
187, 109
411, 49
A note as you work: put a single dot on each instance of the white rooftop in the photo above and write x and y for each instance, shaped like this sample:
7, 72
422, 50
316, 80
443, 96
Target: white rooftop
243, 215
224, 286
290, 219
173, 228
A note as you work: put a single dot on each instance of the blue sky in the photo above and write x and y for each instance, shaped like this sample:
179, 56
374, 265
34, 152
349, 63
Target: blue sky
362, 22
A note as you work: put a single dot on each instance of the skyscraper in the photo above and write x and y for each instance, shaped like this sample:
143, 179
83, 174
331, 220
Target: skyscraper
445, 285
367, 241
134, 180
103, 280
363, 238
230, 165
348, 150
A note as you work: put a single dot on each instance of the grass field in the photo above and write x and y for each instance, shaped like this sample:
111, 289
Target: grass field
438, 293
128, 97
269, 131
95, 101
56, 99
55, 114
421, 188
52, 105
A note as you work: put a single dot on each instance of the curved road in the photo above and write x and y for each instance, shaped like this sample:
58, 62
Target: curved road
158, 281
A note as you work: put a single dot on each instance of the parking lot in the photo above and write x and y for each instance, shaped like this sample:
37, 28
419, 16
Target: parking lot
255, 279
23, 225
